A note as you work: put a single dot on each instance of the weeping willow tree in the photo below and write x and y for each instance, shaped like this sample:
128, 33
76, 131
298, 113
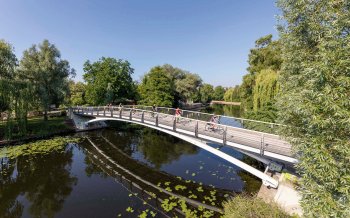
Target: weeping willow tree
265, 89
315, 101
17, 96
259, 86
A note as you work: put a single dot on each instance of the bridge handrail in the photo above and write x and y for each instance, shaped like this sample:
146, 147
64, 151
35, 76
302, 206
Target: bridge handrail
224, 133
174, 117
198, 112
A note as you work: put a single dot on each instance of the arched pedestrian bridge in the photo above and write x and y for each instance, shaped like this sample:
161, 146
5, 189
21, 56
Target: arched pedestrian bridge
196, 128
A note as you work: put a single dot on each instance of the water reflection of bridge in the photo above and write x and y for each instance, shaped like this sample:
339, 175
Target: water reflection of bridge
143, 180
194, 127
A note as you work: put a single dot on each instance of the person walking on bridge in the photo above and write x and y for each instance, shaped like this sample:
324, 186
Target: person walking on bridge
178, 114
154, 110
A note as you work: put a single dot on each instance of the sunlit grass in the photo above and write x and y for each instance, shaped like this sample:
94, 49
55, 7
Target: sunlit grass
38, 127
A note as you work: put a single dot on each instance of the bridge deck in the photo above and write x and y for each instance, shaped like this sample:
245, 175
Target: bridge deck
264, 143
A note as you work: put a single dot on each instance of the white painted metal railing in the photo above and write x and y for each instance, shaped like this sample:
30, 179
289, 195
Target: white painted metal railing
265, 144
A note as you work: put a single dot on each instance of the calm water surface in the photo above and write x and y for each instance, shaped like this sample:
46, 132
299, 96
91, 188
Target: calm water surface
124, 172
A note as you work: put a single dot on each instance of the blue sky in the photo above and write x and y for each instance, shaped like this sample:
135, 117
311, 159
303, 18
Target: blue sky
208, 37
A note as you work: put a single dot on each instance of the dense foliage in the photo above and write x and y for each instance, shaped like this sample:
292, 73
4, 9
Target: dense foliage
219, 93
185, 86
242, 206
260, 86
206, 93
232, 94
315, 100
157, 88
8, 60
108, 80
48, 74
76, 93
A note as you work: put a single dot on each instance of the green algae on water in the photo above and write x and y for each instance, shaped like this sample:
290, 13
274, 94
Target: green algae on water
37, 147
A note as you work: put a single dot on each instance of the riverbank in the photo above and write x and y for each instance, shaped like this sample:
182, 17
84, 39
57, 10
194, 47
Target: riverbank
39, 129
226, 103
285, 196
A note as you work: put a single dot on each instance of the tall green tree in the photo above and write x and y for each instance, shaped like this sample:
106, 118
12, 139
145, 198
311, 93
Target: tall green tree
233, 94
8, 63
265, 89
157, 88
206, 93
108, 80
219, 93
188, 87
187, 84
315, 100
76, 93
264, 64
15, 96
48, 74
8, 60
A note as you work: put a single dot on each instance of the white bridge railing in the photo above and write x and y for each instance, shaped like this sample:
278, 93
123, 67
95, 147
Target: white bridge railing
197, 124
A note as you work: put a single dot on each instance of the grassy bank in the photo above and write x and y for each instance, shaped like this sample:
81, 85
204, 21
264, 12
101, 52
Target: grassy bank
244, 206
37, 127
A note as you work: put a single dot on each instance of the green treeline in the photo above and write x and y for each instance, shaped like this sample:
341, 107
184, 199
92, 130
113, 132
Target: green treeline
109, 81
42, 80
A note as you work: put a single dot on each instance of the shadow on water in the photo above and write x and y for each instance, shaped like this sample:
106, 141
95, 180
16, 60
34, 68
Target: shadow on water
128, 170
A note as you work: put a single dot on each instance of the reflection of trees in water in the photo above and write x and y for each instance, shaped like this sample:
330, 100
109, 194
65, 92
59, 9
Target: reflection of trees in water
92, 169
44, 180
254, 182
9, 189
161, 149
156, 147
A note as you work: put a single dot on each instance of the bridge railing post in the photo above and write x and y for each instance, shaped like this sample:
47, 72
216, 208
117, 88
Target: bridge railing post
156, 119
104, 111
224, 135
120, 112
262, 145
174, 123
98, 111
143, 117
111, 109
196, 129
130, 115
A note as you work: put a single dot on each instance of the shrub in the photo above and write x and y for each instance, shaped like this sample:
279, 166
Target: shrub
244, 206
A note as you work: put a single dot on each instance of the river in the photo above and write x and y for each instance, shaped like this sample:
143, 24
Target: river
124, 170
